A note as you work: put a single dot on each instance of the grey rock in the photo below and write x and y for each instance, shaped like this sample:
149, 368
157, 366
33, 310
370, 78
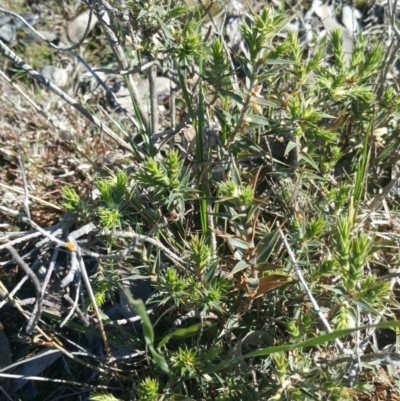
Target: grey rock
55, 75
77, 27
327, 16
5, 18
30, 18
7, 33
163, 91
350, 17
31, 37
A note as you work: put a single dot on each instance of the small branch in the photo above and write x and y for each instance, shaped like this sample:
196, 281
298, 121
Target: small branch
50, 269
172, 106
378, 199
74, 304
392, 14
169, 133
25, 185
54, 232
94, 304
39, 298
139, 237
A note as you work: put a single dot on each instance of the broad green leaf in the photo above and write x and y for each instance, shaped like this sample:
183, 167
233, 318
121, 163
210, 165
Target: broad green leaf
263, 267
224, 117
337, 289
246, 144
237, 243
266, 246
267, 72
310, 176
241, 265
365, 305
258, 120
236, 97
308, 159
142, 14
211, 271
180, 333
166, 31
264, 102
291, 145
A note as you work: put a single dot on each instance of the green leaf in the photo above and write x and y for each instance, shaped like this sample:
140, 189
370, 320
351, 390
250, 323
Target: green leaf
365, 305
167, 31
258, 120
176, 12
224, 117
148, 332
142, 14
237, 243
337, 289
104, 397
211, 271
185, 93
310, 176
236, 97
279, 62
180, 333
290, 146
264, 102
241, 265
266, 246
247, 144
308, 159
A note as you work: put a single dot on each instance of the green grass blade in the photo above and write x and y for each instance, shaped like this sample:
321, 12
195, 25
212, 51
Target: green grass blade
148, 332
308, 343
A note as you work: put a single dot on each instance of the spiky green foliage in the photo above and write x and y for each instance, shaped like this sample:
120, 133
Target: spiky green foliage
148, 389
216, 206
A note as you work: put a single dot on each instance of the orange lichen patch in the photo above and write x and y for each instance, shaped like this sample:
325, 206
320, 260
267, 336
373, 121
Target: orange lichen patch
70, 246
